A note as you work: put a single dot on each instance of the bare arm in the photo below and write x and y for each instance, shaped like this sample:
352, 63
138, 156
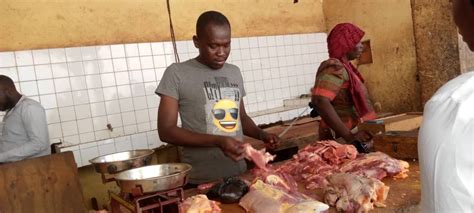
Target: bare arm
252, 130
329, 115
169, 132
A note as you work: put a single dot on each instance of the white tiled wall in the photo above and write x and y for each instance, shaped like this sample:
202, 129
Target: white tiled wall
85, 88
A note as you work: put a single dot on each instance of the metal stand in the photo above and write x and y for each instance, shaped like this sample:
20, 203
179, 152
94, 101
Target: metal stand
159, 202
107, 177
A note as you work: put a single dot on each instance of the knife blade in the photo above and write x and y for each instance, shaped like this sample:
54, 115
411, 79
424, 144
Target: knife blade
292, 123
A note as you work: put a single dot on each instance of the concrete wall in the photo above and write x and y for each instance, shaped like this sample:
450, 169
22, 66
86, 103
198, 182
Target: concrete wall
36, 24
466, 57
436, 45
391, 78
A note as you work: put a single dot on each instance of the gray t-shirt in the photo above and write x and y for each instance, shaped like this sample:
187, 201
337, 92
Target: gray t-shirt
209, 102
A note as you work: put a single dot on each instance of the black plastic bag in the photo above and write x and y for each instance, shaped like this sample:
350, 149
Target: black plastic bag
228, 191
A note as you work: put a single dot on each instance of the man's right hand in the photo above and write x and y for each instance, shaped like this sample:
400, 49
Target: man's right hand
231, 147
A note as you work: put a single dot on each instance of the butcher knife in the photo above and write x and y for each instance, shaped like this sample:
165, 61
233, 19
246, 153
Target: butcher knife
292, 123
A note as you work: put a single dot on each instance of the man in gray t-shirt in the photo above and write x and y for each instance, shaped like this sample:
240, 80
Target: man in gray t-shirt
207, 93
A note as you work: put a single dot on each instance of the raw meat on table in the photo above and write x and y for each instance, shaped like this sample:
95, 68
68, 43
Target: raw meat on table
282, 181
333, 152
259, 157
265, 198
313, 163
376, 165
350, 180
353, 193
199, 204
276, 192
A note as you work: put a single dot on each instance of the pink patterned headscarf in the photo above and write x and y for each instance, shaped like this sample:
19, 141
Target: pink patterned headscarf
343, 38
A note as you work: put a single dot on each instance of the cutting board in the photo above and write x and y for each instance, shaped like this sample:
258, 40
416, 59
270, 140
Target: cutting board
398, 144
402, 122
45, 184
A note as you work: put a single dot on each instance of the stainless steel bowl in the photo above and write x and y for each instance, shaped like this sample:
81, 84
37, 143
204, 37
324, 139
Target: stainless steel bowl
153, 178
117, 162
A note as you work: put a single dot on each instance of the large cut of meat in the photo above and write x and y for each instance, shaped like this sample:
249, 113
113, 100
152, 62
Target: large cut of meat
259, 157
376, 165
266, 198
335, 153
311, 171
351, 181
199, 204
313, 163
281, 181
353, 193
263, 198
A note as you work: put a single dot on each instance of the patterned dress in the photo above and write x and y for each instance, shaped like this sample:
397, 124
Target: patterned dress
332, 82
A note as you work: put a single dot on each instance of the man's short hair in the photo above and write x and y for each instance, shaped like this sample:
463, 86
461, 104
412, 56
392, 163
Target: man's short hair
6, 81
210, 17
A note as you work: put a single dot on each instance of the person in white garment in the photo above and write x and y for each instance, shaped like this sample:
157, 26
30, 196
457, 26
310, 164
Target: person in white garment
24, 130
446, 138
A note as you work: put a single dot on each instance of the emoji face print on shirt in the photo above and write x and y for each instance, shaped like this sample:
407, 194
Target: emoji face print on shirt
226, 114
223, 101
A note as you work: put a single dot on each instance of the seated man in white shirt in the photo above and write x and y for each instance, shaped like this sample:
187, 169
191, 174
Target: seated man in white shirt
24, 131
446, 140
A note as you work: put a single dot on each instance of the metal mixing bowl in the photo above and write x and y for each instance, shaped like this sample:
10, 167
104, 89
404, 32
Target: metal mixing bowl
154, 178
117, 162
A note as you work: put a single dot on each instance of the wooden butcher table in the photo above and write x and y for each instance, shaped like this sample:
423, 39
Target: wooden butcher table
404, 194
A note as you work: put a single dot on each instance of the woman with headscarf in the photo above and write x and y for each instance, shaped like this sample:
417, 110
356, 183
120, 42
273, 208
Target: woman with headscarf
339, 93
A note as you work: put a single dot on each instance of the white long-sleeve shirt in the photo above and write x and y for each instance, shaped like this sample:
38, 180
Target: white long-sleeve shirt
24, 132
446, 148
